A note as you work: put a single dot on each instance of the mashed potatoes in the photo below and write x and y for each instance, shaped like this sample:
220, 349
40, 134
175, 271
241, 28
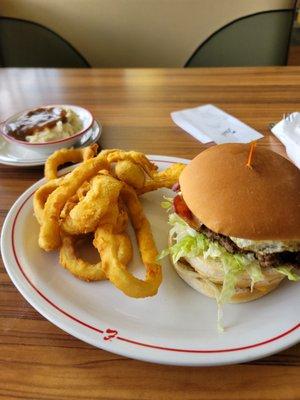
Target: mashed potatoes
61, 130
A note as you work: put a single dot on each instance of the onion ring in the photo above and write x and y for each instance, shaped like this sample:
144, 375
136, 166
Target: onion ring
83, 269
122, 219
63, 156
133, 156
166, 178
40, 197
49, 237
130, 173
86, 214
114, 269
72, 201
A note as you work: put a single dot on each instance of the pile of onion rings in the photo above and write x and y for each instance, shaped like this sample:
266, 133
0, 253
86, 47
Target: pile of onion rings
94, 203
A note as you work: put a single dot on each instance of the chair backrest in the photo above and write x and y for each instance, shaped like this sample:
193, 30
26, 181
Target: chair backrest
256, 40
27, 44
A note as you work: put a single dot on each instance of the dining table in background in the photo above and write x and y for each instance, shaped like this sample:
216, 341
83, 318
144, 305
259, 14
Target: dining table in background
40, 361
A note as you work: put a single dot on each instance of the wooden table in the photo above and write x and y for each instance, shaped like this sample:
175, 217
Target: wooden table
37, 359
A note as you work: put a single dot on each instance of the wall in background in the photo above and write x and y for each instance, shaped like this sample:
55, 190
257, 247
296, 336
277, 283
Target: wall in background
136, 33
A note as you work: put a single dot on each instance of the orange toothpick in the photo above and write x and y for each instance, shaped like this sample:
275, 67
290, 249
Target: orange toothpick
250, 156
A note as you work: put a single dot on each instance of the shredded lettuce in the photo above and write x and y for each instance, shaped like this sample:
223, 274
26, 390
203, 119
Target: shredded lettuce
190, 243
189, 246
175, 219
233, 266
288, 271
220, 326
212, 251
163, 254
256, 275
167, 204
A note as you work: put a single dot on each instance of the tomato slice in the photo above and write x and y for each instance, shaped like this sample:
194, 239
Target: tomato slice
181, 208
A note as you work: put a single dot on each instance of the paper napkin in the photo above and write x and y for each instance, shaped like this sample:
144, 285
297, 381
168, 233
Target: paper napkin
210, 124
288, 132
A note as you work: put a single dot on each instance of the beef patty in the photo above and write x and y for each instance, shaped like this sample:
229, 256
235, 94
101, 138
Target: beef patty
291, 258
265, 260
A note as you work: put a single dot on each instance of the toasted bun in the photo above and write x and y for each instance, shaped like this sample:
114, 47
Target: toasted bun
257, 203
205, 286
207, 278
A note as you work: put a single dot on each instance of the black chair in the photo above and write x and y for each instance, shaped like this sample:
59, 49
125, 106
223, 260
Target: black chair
256, 40
28, 44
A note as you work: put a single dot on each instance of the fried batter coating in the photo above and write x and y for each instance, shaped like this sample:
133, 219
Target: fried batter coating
40, 197
84, 270
133, 156
73, 201
86, 215
63, 156
105, 242
130, 173
49, 238
166, 179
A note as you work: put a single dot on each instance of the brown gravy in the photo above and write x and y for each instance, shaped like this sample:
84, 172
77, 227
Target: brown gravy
35, 120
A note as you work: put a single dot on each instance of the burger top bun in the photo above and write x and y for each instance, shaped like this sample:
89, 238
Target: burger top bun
261, 202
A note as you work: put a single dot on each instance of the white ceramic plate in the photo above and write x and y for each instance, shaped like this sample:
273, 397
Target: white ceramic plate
178, 326
11, 154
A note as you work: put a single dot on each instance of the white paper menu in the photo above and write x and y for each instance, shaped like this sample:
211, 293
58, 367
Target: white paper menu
208, 123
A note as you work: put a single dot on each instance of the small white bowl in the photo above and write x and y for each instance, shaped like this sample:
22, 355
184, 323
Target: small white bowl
49, 147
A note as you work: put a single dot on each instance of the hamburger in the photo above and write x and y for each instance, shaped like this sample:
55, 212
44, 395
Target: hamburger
235, 228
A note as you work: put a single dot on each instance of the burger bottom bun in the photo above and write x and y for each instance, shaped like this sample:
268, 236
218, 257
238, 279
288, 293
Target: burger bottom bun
196, 275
